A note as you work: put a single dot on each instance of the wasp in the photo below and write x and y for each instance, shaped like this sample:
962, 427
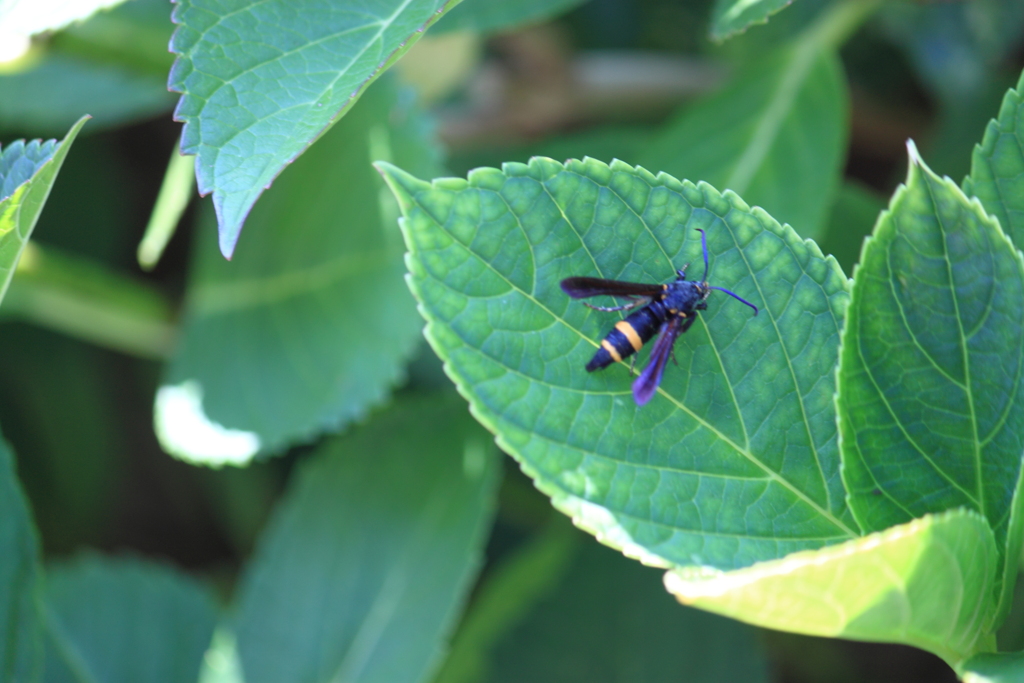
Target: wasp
667, 309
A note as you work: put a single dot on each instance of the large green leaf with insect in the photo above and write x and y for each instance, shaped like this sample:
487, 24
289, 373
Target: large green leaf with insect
366, 562
27, 173
125, 620
997, 166
260, 81
735, 459
298, 336
931, 381
21, 647
927, 583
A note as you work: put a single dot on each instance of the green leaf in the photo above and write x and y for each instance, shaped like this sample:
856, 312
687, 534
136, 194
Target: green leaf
610, 620
134, 35
52, 95
487, 16
955, 49
748, 415
113, 66
733, 16
992, 667
367, 561
997, 167
311, 323
508, 595
777, 133
27, 172
928, 583
21, 651
29, 17
260, 81
124, 620
931, 381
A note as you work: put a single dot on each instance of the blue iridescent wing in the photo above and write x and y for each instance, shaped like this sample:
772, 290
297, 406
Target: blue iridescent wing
647, 383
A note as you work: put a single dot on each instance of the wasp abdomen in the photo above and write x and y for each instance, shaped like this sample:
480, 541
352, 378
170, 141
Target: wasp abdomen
627, 337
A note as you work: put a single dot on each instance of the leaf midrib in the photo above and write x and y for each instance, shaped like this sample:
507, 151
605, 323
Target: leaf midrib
771, 121
792, 370
668, 259
718, 354
383, 24
978, 473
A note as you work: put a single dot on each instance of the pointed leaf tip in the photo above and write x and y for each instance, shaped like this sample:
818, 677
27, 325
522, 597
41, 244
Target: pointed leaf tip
915, 156
348, 245
402, 184
26, 193
230, 221
282, 89
936, 297
227, 242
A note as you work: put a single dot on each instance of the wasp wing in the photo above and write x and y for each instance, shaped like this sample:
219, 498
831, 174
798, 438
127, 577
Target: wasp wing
647, 383
584, 287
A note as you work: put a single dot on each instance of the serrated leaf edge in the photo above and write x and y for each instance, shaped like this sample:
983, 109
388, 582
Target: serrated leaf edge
190, 141
57, 156
983, 150
585, 515
915, 165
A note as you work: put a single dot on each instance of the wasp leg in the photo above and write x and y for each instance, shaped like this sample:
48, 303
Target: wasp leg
624, 307
687, 322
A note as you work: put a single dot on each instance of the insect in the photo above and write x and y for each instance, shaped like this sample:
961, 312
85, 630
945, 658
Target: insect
668, 309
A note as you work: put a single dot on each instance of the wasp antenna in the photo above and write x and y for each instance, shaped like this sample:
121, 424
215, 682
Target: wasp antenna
735, 296
704, 246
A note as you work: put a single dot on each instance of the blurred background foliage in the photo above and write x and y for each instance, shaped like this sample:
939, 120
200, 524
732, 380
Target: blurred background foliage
603, 78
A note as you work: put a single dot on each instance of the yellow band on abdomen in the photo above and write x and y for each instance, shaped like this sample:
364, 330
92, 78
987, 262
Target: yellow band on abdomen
612, 351
630, 334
